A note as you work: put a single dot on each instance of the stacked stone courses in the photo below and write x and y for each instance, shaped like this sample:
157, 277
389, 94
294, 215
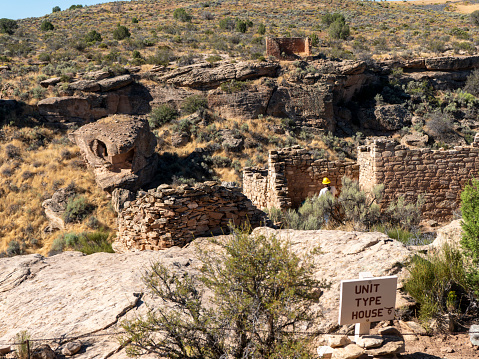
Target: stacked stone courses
168, 216
292, 176
438, 175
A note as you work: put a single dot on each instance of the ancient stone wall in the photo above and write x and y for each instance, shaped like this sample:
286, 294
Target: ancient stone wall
287, 48
167, 216
293, 175
437, 175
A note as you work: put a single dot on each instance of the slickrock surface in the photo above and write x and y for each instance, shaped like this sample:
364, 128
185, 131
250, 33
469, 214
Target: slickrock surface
70, 294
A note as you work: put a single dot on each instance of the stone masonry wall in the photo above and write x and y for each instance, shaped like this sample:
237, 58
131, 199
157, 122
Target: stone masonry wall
293, 175
288, 47
437, 175
167, 216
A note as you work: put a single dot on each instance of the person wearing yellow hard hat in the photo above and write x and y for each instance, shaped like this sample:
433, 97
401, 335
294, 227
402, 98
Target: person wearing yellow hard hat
327, 188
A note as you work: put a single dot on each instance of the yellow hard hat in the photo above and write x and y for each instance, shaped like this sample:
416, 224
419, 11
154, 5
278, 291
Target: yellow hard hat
326, 180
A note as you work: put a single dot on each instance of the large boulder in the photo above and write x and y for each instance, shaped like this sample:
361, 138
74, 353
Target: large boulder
204, 75
244, 104
120, 149
385, 117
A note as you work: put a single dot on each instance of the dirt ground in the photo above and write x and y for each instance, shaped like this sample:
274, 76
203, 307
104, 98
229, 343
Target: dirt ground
440, 346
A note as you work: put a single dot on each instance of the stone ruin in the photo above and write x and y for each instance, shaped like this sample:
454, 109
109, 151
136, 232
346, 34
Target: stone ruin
288, 48
168, 216
292, 175
121, 151
437, 175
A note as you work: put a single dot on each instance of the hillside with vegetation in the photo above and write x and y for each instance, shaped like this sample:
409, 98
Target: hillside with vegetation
157, 37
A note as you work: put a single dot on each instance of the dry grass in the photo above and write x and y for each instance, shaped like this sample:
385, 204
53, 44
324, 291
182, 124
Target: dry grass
32, 176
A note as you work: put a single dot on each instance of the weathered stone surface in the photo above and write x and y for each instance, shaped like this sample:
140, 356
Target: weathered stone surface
379, 259
415, 139
97, 75
389, 331
450, 234
336, 341
312, 104
351, 351
450, 63
232, 141
43, 351
179, 139
120, 149
369, 341
245, 104
414, 327
50, 82
85, 85
389, 117
75, 108
115, 83
71, 294
391, 345
55, 207
474, 334
120, 196
325, 352
71, 348
204, 76
5, 349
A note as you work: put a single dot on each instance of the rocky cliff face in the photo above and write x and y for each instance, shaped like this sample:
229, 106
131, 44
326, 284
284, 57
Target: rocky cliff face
314, 93
71, 295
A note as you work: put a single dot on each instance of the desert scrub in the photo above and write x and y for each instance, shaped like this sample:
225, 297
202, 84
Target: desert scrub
162, 115
267, 296
85, 242
121, 32
194, 103
78, 208
439, 283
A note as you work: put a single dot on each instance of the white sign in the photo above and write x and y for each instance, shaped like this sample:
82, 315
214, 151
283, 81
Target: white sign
367, 300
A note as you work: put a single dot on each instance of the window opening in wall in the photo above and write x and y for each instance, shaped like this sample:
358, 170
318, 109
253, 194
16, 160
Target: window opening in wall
99, 149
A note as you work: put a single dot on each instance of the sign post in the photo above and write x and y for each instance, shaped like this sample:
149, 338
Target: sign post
367, 299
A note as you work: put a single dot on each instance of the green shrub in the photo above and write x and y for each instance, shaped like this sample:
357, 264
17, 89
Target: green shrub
214, 58
266, 298
314, 40
21, 339
405, 214
47, 26
161, 115
339, 30
162, 56
86, 242
121, 32
234, 86
74, 7
470, 216
227, 23
261, 29
432, 279
194, 103
181, 15
474, 16
241, 26
8, 26
56, 9
44, 56
329, 18
93, 36
134, 20
77, 209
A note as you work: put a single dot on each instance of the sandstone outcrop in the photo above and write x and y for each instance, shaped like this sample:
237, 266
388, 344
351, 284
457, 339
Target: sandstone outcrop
205, 76
121, 151
56, 206
388, 118
169, 216
70, 294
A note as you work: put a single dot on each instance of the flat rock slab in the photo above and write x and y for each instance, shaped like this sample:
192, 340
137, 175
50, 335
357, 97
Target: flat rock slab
72, 295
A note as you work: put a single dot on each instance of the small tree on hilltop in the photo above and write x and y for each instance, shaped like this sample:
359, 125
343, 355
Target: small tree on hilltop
261, 292
56, 9
47, 26
8, 26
